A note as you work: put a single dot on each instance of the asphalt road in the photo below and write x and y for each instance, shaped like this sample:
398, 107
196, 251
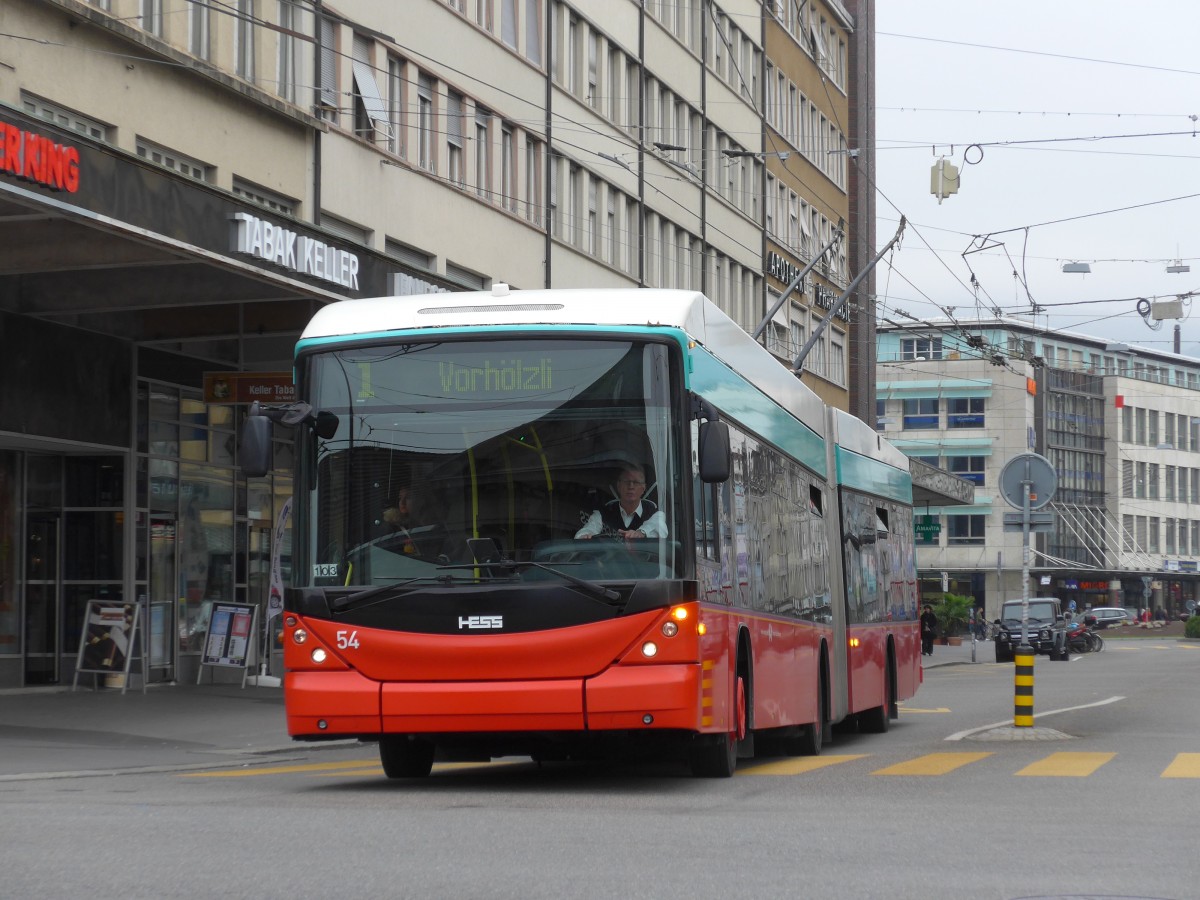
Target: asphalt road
1102, 802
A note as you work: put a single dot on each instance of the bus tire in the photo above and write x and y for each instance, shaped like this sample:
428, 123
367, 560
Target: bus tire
715, 755
405, 757
811, 737
877, 720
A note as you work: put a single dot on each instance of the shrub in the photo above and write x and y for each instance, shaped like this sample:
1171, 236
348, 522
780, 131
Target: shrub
1192, 627
952, 613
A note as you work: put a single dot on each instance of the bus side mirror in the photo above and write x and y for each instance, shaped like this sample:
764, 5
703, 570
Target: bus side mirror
714, 452
254, 449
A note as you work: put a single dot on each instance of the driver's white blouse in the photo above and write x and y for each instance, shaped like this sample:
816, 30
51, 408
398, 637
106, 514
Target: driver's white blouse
653, 527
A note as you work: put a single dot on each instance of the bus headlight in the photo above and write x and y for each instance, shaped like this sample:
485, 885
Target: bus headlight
649, 649
670, 629
299, 635
318, 655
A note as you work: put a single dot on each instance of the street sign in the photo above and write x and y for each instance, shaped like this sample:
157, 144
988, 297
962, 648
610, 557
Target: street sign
1039, 522
1028, 467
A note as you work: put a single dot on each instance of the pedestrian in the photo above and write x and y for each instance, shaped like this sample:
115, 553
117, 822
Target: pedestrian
928, 630
980, 624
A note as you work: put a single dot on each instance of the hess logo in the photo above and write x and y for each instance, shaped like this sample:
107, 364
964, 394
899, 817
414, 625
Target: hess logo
469, 622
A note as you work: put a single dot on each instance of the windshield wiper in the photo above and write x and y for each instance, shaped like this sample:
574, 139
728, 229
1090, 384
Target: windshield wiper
359, 598
511, 566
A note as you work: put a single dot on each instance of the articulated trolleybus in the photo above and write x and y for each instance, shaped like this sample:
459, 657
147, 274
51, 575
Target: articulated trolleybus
452, 450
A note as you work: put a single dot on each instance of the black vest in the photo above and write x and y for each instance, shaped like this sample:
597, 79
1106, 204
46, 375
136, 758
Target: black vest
610, 516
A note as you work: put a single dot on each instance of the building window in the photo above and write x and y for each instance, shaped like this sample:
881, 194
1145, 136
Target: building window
244, 39
880, 414
965, 529
533, 180
262, 197
921, 348
483, 153
396, 92
198, 28
150, 17
922, 412
290, 19
508, 164
466, 277
508, 22
964, 412
454, 138
425, 154
533, 31
65, 118
327, 76
369, 109
970, 468
176, 162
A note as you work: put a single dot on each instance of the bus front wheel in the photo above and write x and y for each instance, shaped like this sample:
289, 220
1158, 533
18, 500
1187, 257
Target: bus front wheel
405, 757
715, 755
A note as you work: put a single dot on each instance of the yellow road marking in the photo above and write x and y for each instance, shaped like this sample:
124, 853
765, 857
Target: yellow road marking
1185, 765
800, 765
933, 764
939, 709
1064, 764
284, 770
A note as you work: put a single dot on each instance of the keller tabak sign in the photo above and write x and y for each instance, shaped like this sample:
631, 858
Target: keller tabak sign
31, 156
247, 387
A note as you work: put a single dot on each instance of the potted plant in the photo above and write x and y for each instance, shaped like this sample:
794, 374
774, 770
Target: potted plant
953, 612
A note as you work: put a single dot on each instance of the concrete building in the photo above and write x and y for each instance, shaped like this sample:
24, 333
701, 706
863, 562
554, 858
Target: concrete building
1117, 423
183, 183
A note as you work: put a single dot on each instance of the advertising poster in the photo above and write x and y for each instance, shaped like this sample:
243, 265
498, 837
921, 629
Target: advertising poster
228, 640
107, 635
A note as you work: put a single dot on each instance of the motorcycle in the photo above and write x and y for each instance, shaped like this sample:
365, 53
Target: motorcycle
1082, 639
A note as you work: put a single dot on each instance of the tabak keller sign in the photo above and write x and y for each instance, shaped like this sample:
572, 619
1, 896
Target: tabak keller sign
293, 251
248, 387
33, 157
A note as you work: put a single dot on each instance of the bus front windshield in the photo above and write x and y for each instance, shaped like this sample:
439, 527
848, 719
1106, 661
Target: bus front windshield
564, 452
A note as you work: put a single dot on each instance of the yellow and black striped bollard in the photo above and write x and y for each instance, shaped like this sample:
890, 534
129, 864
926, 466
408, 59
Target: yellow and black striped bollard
1023, 687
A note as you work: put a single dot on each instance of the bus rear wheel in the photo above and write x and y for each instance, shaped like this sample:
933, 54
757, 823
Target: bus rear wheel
715, 755
405, 757
878, 720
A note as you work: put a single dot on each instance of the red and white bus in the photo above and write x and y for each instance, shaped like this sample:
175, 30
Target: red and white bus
451, 449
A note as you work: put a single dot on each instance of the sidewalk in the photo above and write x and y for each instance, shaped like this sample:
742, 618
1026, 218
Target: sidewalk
946, 655
59, 732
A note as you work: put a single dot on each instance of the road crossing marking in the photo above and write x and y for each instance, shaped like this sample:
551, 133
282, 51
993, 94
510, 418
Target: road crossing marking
1065, 764
1185, 765
1058, 764
800, 765
932, 764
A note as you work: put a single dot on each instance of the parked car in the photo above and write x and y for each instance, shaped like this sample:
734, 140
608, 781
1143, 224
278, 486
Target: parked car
1108, 615
1047, 629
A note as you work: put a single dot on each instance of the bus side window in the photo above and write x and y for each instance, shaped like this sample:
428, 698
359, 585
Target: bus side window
704, 507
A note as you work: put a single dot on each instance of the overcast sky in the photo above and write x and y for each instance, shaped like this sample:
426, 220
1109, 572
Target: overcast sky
1111, 91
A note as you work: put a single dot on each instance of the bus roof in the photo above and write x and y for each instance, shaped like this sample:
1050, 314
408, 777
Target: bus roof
689, 311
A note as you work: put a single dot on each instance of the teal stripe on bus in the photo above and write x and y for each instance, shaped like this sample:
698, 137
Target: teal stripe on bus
871, 476
741, 400
516, 332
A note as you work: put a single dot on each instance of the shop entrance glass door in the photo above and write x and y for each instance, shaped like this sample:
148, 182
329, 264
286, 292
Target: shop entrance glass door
43, 586
164, 592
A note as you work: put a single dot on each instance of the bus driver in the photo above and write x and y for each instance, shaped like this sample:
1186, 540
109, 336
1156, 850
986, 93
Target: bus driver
629, 516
